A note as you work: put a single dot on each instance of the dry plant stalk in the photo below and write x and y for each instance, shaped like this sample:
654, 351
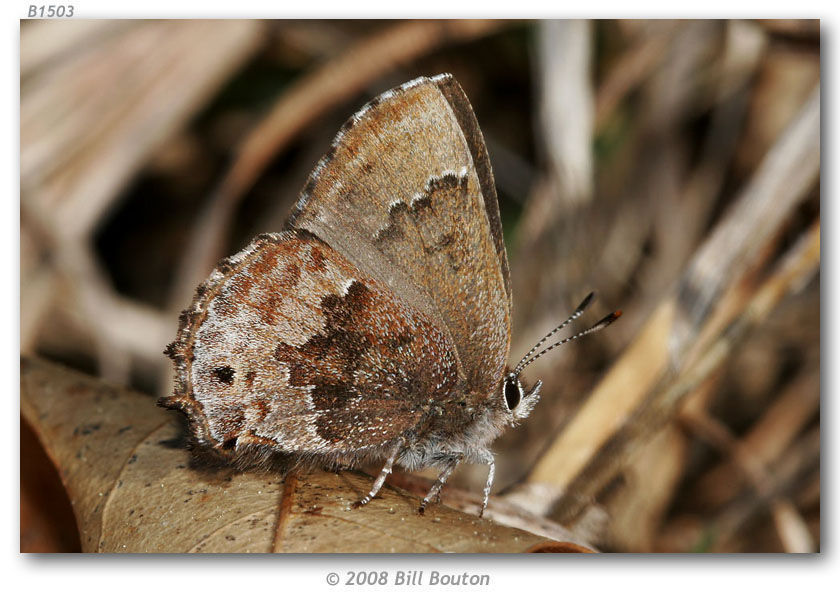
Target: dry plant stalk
638, 508
788, 521
764, 443
801, 459
679, 328
670, 393
633, 67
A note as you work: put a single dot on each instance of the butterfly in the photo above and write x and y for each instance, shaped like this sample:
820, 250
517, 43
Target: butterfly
376, 326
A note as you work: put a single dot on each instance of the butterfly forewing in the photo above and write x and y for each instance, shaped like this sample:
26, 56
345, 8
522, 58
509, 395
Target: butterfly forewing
406, 194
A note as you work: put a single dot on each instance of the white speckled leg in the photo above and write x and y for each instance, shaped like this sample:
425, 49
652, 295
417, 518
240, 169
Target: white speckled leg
434, 492
488, 459
380, 479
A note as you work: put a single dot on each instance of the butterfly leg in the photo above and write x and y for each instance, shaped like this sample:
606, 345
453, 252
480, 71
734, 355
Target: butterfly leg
488, 459
380, 479
434, 492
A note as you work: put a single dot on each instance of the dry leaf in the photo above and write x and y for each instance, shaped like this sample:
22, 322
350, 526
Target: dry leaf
134, 488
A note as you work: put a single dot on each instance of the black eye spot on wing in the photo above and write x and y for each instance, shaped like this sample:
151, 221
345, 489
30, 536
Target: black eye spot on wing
224, 374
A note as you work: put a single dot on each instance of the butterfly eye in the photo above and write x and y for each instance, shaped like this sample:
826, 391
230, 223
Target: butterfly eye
512, 391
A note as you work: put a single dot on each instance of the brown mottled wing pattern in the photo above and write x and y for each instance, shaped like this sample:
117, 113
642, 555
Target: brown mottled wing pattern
291, 346
406, 193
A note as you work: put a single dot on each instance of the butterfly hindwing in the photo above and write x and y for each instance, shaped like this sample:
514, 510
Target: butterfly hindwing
290, 346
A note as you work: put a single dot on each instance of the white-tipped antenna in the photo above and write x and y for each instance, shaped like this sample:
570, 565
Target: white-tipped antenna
609, 319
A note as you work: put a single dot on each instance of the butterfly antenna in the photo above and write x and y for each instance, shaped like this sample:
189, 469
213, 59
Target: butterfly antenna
609, 319
578, 312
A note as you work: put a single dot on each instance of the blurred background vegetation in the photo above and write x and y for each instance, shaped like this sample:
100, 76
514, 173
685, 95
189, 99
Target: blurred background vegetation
673, 166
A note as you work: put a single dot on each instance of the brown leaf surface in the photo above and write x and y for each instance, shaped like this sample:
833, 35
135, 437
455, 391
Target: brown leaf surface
134, 488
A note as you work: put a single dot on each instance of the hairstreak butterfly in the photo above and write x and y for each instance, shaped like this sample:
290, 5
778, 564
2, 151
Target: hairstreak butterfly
376, 326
